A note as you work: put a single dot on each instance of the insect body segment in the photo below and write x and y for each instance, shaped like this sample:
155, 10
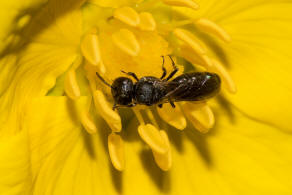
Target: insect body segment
196, 86
149, 90
122, 91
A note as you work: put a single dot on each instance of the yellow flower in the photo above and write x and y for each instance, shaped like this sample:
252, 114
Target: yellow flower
59, 134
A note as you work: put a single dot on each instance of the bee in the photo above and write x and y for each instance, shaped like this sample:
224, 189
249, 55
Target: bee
149, 90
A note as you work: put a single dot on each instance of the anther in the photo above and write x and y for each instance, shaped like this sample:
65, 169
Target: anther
188, 38
147, 22
126, 41
127, 15
227, 81
172, 116
164, 161
87, 122
182, 3
23, 21
111, 117
200, 115
71, 86
195, 58
116, 151
212, 28
153, 138
90, 49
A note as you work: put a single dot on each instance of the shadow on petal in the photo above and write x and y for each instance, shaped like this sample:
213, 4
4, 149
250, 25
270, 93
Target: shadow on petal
33, 28
216, 48
89, 145
175, 137
160, 178
227, 107
117, 178
199, 141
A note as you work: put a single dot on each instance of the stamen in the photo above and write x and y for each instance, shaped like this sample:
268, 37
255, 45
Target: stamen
172, 116
71, 86
151, 117
23, 21
153, 138
111, 117
90, 49
200, 115
182, 3
116, 151
127, 15
147, 22
213, 28
195, 58
190, 40
139, 116
164, 161
227, 81
87, 123
90, 75
126, 41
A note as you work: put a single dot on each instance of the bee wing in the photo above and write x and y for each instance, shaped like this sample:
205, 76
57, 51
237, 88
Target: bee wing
175, 87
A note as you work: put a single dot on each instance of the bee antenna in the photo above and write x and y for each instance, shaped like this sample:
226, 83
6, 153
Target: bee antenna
102, 79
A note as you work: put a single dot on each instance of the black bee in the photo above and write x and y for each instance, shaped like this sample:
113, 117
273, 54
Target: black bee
149, 90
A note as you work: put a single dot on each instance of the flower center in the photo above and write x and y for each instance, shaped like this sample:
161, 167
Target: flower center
134, 41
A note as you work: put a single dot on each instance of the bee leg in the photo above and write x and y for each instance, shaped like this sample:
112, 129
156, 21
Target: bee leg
131, 74
115, 106
163, 69
102, 79
118, 106
160, 105
174, 71
171, 103
131, 105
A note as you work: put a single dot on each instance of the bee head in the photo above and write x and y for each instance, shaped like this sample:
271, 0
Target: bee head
122, 91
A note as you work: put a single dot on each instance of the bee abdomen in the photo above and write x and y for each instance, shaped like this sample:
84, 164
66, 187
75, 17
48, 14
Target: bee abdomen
194, 86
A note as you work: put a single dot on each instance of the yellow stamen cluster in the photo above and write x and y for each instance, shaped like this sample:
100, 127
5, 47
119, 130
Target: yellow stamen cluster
125, 28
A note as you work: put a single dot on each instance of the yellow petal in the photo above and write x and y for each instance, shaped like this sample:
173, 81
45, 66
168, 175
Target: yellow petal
15, 15
64, 158
127, 42
116, 151
111, 117
47, 55
114, 3
220, 162
15, 164
237, 150
184, 3
127, 15
153, 138
147, 21
172, 116
200, 114
257, 58
260, 64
